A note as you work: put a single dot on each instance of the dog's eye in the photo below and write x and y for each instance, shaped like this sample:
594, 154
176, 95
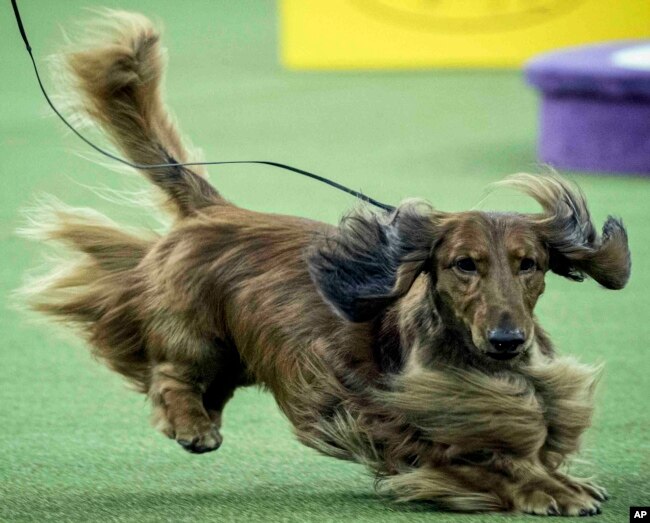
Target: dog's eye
527, 265
466, 265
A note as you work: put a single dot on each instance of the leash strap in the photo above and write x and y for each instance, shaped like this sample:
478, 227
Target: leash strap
108, 154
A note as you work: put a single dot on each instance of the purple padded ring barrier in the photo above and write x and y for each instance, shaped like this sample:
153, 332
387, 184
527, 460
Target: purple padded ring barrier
595, 113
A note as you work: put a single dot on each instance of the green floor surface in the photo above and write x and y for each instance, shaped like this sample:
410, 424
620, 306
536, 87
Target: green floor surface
76, 444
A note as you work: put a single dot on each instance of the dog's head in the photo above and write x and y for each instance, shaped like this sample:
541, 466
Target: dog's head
485, 270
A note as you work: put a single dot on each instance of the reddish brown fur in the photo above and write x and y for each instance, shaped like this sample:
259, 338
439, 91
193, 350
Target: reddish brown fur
373, 340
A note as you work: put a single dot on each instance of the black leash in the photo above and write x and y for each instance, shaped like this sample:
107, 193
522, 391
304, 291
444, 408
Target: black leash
313, 176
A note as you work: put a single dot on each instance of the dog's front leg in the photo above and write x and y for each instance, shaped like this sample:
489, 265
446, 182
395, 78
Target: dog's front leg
567, 388
536, 490
583, 486
526, 484
565, 430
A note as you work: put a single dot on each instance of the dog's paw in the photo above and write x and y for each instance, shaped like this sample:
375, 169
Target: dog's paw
200, 441
585, 486
595, 491
538, 503
557, 503
577, 504
195, 434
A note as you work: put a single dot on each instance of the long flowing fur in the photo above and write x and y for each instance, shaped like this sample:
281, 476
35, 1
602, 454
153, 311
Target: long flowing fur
116, 73
450, 416
357, 330
113, 77
576, 248
94, 291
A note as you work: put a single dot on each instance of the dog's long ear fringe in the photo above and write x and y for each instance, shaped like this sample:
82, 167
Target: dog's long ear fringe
373, 259
576, 250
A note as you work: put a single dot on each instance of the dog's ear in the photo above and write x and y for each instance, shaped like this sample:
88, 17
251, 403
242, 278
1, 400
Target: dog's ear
575, 248
373, 259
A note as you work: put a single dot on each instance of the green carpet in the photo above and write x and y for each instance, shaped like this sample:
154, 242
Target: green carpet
76, 443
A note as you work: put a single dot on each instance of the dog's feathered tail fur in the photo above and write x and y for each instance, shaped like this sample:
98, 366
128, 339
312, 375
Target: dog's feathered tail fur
117, 79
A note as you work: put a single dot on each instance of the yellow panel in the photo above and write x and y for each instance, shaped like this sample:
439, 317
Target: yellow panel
397, 34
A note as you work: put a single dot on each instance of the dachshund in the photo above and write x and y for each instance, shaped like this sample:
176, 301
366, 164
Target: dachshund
404, 340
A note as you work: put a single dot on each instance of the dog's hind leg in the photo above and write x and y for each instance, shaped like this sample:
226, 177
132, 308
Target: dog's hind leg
176, 393
188, 397
230, 374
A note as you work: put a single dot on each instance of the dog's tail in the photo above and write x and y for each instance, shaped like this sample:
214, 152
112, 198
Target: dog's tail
116, 79
96, 293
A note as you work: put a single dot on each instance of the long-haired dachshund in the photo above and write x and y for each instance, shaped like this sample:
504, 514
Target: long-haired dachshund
402, 340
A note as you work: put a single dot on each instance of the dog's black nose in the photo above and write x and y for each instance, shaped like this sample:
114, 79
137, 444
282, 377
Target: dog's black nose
506, 340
